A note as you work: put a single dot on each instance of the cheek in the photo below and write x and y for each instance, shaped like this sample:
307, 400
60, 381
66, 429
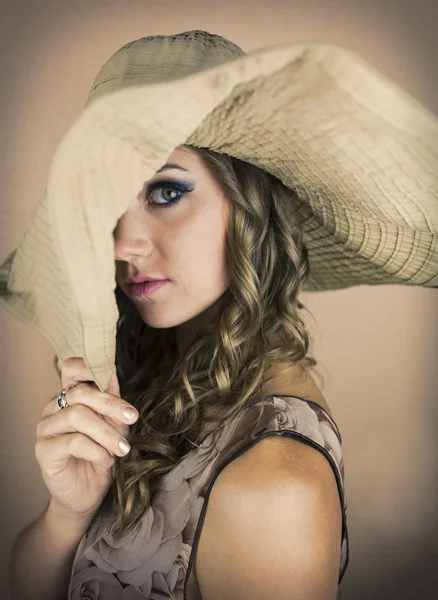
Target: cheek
198, 250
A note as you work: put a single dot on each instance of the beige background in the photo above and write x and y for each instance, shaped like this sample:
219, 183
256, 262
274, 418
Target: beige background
376, 346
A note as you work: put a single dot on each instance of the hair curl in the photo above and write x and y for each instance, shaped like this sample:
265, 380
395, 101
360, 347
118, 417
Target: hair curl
179, 398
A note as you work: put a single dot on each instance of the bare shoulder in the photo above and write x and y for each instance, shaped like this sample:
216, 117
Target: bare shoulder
273, 525
295, 380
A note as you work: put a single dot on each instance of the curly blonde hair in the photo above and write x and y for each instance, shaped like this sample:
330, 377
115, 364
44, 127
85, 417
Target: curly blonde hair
179, 398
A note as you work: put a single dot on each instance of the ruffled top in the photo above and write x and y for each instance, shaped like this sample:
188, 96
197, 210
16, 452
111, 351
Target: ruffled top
154, 562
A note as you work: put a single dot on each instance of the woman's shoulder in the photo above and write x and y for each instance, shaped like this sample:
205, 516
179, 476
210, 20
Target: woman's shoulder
293, 379
268, 474
254, 462
290, 407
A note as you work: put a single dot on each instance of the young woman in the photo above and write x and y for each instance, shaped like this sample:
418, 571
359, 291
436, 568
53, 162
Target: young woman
227, 482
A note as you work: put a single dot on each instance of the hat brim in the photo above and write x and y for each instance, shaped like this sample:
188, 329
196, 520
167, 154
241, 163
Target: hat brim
360, 152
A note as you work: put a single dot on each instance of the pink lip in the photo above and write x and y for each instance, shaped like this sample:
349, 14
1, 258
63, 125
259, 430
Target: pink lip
146, 287
141, 279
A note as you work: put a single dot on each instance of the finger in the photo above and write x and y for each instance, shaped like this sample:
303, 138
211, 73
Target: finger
79, 418
113, 386
53, 453
74, 370
101, 402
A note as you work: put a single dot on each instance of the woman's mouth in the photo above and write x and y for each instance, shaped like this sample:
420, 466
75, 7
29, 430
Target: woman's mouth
146, 287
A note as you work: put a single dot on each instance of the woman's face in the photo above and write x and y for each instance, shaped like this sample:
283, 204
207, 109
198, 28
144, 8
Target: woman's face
183, 242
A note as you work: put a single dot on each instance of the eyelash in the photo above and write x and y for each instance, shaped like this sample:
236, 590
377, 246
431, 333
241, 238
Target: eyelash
180, 187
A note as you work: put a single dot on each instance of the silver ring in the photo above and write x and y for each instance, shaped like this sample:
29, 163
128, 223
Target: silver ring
62, 402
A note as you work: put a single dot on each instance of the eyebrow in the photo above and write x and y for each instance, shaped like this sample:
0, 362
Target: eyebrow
171, 166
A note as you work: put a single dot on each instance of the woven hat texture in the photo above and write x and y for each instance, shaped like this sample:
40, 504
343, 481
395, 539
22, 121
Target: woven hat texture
361, 153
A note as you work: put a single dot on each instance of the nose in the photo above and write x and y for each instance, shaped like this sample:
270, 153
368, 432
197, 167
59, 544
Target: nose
131, 237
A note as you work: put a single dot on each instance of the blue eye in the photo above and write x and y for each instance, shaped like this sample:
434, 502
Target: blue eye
179, 188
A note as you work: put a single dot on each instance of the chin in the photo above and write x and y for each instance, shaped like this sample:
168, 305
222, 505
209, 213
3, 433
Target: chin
157, 321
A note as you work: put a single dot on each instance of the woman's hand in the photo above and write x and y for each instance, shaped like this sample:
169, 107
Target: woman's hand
75, 446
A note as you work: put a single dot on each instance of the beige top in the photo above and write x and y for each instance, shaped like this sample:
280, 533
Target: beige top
156, 560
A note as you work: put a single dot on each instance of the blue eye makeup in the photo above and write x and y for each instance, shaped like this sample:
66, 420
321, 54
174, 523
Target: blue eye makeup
181, 188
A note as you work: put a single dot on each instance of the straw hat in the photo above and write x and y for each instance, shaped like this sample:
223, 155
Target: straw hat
360, 152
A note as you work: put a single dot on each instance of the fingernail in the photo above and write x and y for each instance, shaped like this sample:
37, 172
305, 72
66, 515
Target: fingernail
130, 413
124, 447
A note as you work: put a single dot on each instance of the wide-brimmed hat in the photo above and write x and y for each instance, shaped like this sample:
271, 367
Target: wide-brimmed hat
361, 154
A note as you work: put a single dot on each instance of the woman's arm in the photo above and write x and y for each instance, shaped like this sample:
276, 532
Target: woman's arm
43, 553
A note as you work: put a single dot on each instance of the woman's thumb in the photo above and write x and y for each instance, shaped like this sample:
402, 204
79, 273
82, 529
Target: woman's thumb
113, 386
